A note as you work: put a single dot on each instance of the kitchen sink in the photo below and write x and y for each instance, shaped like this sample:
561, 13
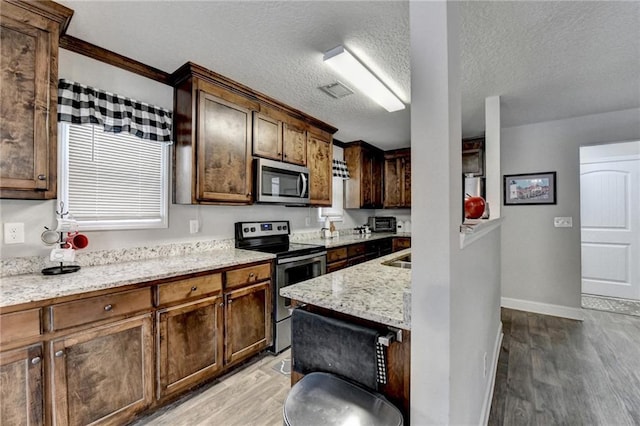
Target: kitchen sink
403, 261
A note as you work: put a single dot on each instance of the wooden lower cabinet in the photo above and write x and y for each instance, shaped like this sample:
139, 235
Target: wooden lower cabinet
104, 374
190, 344
247, 321
21, 386
401, 243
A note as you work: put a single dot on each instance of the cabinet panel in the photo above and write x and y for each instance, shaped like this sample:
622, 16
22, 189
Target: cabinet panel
21, 386
189, 288
224, 151
320, 164
267, 137
247, 321
70, 314
248, 275
336, 254
401, 243
29, 74
294, 145
397, 179
364, 188
104, 374
19, 325
190, 344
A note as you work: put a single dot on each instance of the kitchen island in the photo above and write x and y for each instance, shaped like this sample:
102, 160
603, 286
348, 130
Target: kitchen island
373, 294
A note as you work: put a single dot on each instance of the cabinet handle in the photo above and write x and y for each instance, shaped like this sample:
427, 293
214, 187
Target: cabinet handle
251, 275
221, 304
42, 177
194, 288
249, 194
108, 307
36, 360
229, 301
59, 354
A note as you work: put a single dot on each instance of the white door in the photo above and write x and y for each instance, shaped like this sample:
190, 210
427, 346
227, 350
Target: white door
610, 220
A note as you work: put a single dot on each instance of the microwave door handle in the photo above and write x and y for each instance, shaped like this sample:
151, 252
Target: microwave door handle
304, 185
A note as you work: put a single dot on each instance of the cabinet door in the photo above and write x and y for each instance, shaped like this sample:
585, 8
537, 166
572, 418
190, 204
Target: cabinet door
392, 176
320, 164
267, 137
406, 182
224, 151
190, 344
295, 145
377, 165
104, 374
247, 321
27, 151
21, 386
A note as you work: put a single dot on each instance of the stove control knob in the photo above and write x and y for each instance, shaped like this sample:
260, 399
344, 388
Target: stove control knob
279, 228
284, 228
246, 230
253, 229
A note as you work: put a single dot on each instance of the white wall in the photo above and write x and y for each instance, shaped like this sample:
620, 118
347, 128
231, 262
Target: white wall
541, 263
216, 222
609, 150
455, 293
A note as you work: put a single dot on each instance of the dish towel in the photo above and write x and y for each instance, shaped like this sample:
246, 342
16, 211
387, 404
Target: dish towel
334, 346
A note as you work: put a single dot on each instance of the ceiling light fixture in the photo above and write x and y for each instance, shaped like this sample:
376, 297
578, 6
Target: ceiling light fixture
358, 75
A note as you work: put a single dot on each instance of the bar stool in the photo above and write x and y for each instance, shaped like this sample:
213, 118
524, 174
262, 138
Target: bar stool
336, 358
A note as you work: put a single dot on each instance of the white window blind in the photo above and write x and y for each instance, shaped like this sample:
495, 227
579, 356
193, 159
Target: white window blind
113, 181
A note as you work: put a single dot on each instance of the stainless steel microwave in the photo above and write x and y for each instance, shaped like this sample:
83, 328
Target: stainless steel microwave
282, 183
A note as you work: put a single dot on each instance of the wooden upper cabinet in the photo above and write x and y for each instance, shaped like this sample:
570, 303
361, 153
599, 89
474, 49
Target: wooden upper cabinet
364, 187
224, 151
320, 164
267, 137
397, 178
294, 144
29, 36
21, 386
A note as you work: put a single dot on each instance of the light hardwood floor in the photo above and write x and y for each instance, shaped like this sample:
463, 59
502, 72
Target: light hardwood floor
551, 371
555, 371
251, 396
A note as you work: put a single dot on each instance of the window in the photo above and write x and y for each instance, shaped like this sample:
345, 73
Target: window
112, 180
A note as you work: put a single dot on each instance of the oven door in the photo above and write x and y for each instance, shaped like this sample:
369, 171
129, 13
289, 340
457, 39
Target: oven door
294, 270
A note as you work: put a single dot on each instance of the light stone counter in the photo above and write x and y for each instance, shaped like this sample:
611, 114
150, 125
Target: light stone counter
369, 290
20, 289
344, 240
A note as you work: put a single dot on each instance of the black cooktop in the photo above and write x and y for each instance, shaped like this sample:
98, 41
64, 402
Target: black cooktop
271, 237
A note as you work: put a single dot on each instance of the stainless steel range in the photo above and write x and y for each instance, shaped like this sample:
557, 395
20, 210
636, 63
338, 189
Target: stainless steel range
294, 263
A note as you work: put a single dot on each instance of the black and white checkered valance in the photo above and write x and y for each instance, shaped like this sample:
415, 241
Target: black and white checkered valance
80, 104
340, 169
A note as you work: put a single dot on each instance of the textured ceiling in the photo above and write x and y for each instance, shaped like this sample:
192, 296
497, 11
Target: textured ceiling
547, 60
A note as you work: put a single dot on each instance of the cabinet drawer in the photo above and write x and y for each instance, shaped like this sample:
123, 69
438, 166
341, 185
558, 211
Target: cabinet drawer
248, 275
19, 325
186, 289
355, 250
335, 266
401, 243
70, 314
336, 254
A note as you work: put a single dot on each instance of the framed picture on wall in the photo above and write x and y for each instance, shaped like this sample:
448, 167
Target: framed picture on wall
530, 188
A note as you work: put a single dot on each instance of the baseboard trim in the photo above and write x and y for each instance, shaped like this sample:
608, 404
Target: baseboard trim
543, 308
488, 396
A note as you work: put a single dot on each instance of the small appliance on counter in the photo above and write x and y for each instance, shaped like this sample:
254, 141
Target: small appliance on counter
382, 223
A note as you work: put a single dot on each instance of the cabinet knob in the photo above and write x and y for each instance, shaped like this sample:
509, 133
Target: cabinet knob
59, 354
108, 307
194, 288
36, 360
249, 194
42, 177
229, 301
221, 304
251, 275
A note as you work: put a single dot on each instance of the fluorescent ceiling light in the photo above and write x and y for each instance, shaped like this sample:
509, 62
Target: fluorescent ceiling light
351, 69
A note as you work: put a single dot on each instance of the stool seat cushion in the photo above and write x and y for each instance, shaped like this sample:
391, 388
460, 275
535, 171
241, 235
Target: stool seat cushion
324, 399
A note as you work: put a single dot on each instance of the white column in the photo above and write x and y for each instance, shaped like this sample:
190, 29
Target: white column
492, 154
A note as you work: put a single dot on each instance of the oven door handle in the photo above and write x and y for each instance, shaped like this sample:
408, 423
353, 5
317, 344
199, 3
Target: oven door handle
300, 258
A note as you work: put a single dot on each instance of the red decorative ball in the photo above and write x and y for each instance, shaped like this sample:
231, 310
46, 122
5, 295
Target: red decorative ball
473, 207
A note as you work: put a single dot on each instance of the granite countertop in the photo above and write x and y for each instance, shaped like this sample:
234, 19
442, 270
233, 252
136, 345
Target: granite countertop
21, 289
345, 240
369, 290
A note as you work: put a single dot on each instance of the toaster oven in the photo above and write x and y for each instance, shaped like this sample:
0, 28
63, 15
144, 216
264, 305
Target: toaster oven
382, 223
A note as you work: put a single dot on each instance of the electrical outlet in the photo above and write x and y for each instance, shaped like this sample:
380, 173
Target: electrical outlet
484, 363
307, 221
194, 226
563, 222
13, 233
